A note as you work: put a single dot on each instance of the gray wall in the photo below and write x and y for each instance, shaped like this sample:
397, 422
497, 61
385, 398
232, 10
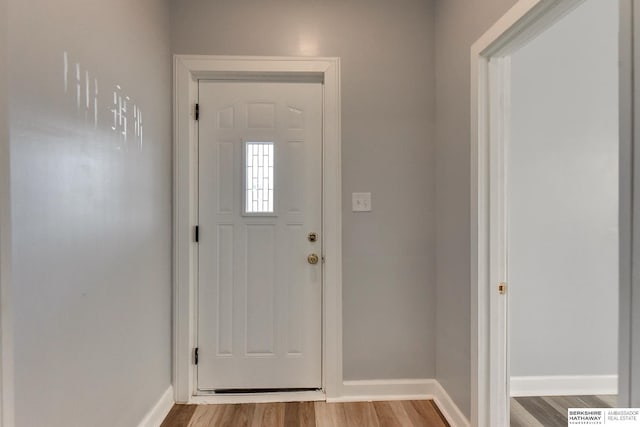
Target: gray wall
459, 23
563, 198
91, 212
387, 137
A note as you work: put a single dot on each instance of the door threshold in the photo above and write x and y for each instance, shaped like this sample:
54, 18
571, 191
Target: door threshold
262, 397
260, 390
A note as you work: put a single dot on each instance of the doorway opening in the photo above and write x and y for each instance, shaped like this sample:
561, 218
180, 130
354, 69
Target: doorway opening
548, 189
562, 212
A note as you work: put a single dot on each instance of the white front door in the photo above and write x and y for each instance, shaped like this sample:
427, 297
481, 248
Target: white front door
260, 204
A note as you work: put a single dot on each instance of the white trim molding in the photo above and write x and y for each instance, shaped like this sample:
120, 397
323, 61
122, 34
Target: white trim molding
376, 390
629, 324
160, 410
6, 302
564, 385
188, 70
449, 409
628, 89
403, 389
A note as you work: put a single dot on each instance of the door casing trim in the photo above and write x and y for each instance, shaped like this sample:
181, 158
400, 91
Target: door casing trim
188, 70
7, 347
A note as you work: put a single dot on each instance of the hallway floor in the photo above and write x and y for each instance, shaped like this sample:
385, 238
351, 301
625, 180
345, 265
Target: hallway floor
415, 413
551, 411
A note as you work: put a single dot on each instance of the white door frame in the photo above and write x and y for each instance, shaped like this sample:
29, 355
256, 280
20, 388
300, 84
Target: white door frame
6, 316
490, 109
629, 357
6, 330
187, 71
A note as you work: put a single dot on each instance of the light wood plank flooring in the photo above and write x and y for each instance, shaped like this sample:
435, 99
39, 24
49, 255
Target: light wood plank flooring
551, 411
414, 413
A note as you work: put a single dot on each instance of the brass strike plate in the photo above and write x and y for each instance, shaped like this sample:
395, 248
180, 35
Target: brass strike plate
312, 237
502, 288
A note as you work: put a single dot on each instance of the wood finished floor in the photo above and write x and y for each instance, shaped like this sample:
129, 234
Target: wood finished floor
414, 413
551, 411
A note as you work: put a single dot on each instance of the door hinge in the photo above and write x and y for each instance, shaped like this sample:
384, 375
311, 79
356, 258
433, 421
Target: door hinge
502, 288
197, 112
196, 233
195, 355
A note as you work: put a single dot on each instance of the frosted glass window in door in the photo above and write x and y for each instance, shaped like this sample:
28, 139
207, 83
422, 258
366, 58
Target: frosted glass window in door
259, 178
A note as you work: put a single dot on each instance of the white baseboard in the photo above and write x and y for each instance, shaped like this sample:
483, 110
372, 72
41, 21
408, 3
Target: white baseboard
564, 385
158, 413
371, 390
449, 409
403, 389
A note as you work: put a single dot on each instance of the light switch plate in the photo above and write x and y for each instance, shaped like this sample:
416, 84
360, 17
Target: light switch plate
361, 202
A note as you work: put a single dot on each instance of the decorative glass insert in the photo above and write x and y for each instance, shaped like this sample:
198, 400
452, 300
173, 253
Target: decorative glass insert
259, 178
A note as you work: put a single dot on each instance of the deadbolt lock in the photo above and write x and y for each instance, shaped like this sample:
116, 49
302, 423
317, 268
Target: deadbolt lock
313, 237
313, 259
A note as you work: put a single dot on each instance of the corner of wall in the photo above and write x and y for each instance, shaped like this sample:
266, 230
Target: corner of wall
159, 411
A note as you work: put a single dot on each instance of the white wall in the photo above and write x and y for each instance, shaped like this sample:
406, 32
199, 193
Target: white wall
91, 213
459, 23
563, 198
387, 136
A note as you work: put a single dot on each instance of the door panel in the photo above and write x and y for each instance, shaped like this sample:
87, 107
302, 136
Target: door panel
260, 188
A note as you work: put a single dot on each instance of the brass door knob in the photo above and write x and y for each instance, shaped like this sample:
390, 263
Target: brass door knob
313, 259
